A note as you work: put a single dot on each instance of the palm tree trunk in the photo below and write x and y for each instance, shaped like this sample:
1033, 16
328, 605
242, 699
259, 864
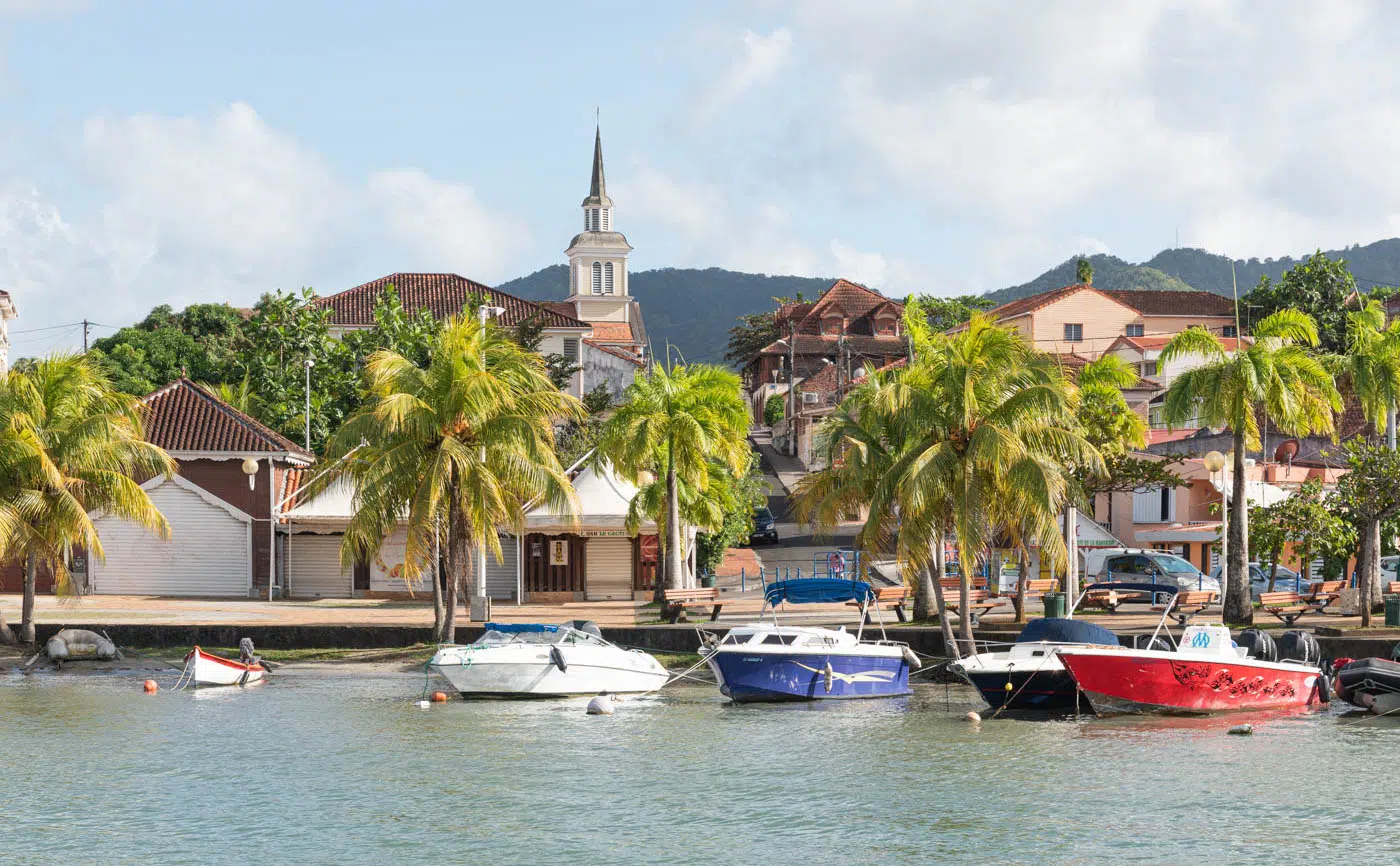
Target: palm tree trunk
1023, 579
658, 582
1237, 608
454, 576
964, 603
950, 646
675, 551
26, 615
924, 595
437, 589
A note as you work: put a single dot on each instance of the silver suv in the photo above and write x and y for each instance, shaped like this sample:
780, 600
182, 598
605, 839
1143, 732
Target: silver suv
1157, 566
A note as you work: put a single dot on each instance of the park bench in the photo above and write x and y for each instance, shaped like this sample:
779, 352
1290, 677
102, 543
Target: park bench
979, 602
1324, 593
1289, 606
1049, 584
887, 598
1393, 588
678, 601
1188, 604
952, 584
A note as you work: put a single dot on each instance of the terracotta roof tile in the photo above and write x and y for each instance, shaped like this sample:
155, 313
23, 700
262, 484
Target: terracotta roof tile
817, 344
822, 381
844, 298
1165, 303
442, 295
612, 332
184, 416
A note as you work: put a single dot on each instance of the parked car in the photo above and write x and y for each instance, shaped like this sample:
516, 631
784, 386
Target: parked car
1156, 565
1287, 580
765, 528
1389, 566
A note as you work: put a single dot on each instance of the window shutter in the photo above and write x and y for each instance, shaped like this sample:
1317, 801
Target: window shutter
608, 278
597, 278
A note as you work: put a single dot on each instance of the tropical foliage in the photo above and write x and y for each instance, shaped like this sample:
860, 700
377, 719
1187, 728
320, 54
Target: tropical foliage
456, 448
679, 425
1276, 376
70, 445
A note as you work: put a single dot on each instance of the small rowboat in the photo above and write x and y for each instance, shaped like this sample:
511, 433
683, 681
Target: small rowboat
205, 669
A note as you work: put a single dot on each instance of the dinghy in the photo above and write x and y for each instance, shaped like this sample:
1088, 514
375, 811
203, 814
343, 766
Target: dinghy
1372, 683
536, 660
207, 669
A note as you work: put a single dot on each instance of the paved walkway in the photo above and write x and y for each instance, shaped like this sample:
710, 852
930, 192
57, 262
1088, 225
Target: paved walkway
788, 469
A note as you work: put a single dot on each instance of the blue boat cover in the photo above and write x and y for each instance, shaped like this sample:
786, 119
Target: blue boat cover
809, 590
520, 627
1067, 631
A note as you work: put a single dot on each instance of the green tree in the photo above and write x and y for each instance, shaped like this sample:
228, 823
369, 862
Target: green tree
675, 423
735, 497
458, 448
1084, 272
1318, 287
1307, 521
945, 313
70, 445
1275, 376
201, 342
754, 331
774, 408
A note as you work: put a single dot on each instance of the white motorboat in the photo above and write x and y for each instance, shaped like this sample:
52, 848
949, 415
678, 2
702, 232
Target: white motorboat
206, 669
524, 660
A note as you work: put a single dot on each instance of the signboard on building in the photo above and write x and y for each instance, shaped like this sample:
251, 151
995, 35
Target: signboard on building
559, 551
605, 533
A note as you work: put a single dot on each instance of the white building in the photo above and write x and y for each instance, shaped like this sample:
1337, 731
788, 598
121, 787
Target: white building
7, 312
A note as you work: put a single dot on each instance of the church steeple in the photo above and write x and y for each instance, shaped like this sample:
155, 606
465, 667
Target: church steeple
597, 208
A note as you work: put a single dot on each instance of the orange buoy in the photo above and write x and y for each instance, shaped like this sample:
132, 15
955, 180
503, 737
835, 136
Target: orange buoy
151, 687
439, 697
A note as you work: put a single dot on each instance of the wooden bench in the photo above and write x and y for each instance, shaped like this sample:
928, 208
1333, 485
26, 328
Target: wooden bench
1288, 606
1049, 584
1324, 593
678, 601
1111, 599
1188, 604
979, 602
1393, 588
887, 598
954, 584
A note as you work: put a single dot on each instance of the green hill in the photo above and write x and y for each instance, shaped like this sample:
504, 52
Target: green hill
1110, 272
692, 309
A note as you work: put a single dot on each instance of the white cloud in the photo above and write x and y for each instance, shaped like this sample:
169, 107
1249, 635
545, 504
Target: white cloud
226, 208
757, 60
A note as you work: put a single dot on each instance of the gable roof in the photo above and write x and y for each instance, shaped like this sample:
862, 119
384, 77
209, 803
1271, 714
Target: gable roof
443, 295
1031, 303
843, 298
184, 416
1152, 302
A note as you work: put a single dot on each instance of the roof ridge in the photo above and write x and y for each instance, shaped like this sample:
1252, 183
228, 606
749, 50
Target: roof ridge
248, 422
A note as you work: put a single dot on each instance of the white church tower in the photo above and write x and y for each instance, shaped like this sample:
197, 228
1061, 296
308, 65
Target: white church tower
598, 263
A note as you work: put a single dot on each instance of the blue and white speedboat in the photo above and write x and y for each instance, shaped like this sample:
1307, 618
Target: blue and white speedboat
771, 662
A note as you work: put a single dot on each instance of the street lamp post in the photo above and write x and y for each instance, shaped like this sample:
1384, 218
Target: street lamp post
481, 605
309, 364
1215, 465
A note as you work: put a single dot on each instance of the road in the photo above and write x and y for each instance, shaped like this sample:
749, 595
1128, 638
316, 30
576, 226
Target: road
797, 547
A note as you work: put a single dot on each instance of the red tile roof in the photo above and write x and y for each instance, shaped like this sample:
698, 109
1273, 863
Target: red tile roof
612, 332
442, 295
184, 416
844, 298
1160, 341
1146, 302
822, 381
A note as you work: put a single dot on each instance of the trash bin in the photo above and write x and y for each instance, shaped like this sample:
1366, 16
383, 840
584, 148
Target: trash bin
1054, 604
707, 581
1392, 610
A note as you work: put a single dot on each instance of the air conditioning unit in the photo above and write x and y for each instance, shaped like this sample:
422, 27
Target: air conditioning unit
811, 398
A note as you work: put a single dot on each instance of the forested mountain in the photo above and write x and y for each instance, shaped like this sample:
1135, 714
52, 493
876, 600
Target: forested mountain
691, 309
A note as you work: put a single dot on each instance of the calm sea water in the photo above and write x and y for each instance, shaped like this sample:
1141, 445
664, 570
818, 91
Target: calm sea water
346, 770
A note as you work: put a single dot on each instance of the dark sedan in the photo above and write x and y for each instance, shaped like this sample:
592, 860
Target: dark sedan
765, 528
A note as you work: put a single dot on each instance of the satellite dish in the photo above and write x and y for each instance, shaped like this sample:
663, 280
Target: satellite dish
1286, 451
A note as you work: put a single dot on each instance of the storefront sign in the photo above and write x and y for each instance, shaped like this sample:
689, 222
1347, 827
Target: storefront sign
559, 552
605, 533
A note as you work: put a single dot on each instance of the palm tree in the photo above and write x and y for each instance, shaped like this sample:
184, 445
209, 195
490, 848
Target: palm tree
672, 423
70, 445
456, 449
1275, 375
1371, 367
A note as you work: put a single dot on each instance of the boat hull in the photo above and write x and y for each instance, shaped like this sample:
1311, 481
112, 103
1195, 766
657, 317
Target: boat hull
1161, 682
1372, 683
212, 670
508, 673
1030, 690
746, 676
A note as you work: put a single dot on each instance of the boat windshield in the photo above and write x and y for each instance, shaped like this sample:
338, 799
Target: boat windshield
492, 637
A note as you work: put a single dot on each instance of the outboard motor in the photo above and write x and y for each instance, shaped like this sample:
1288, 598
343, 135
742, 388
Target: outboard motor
246, 653
1259, 644
1148, 642
1299, 646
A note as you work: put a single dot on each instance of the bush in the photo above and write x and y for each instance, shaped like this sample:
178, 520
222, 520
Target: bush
773, 409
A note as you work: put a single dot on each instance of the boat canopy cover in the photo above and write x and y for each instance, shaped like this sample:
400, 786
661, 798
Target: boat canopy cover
520, 627
810, 590
1067, 631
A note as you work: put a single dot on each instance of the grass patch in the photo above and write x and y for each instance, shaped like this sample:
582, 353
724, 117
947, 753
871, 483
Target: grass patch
676, 661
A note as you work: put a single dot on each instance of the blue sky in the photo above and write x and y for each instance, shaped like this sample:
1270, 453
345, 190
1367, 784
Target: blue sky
164, 152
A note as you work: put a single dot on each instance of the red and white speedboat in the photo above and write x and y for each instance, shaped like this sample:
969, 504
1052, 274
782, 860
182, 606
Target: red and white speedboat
1206, 673
206, 669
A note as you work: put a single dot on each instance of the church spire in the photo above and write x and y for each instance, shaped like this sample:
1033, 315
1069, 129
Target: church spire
598, 188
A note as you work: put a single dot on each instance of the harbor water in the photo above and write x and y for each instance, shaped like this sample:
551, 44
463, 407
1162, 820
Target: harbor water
340, 767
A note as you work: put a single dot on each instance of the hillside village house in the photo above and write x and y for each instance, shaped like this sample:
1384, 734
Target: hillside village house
846, 328
598, 326
224, 540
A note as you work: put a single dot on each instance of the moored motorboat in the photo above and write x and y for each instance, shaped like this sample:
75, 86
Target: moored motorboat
1372, 683
525, 660
766, 661
1206, 673
1028, 675
206, 669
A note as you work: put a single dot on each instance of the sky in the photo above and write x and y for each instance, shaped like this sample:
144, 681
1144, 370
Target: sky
175, 152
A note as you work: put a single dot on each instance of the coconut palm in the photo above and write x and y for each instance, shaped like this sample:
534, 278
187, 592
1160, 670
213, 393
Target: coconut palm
672, 423
1275, 375
70, 446
456, 449
1371, 369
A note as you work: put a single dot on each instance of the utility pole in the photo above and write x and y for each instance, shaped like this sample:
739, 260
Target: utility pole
792, 395
86, 325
